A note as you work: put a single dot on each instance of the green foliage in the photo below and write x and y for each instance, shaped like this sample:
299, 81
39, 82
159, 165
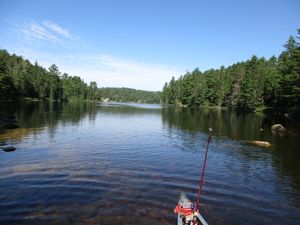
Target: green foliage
7, 90
246, 85
54, 83
251, 87
129, 95
289, 67
73, 88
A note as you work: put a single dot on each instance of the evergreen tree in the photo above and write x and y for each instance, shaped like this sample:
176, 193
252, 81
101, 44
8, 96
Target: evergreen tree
164, 96
55, 85
289, 62
271, 87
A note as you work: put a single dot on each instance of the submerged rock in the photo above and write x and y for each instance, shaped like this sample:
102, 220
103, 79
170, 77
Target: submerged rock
278, 129
260, 143
9, 148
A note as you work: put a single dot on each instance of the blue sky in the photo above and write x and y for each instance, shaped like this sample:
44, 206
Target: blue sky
141, 44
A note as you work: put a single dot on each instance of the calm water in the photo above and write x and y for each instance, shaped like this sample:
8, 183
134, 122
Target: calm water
88, 164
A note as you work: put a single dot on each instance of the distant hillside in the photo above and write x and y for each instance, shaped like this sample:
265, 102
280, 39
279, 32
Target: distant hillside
129, 95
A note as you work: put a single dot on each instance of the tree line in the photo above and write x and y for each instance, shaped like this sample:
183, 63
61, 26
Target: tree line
20, 78
249, 85
130, 95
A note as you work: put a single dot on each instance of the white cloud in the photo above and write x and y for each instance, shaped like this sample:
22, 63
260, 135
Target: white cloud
106, 70
115, 72
35, 31
57, 29
45, 31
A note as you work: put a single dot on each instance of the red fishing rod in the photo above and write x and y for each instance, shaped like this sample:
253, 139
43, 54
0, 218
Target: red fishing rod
203, 169
186, 210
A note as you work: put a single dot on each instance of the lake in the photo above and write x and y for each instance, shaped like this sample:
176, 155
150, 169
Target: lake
83, 163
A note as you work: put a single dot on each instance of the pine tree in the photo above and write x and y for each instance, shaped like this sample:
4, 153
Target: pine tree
289, 64
55, 83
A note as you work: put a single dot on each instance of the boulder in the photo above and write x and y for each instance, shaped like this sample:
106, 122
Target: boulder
278, 129
9, 148
260, 143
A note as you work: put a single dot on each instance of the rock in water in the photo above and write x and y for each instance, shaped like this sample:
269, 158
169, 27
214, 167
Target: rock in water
278, 129
260, 143
9, 148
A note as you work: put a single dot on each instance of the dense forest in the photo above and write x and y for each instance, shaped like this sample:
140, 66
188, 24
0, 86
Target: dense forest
20, 78
256, 83
130, 95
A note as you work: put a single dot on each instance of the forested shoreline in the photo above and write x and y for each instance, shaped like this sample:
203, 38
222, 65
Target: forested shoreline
251, 85
19, 78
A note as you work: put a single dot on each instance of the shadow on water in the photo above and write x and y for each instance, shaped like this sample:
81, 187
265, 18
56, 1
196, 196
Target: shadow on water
242, 127
33, 117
